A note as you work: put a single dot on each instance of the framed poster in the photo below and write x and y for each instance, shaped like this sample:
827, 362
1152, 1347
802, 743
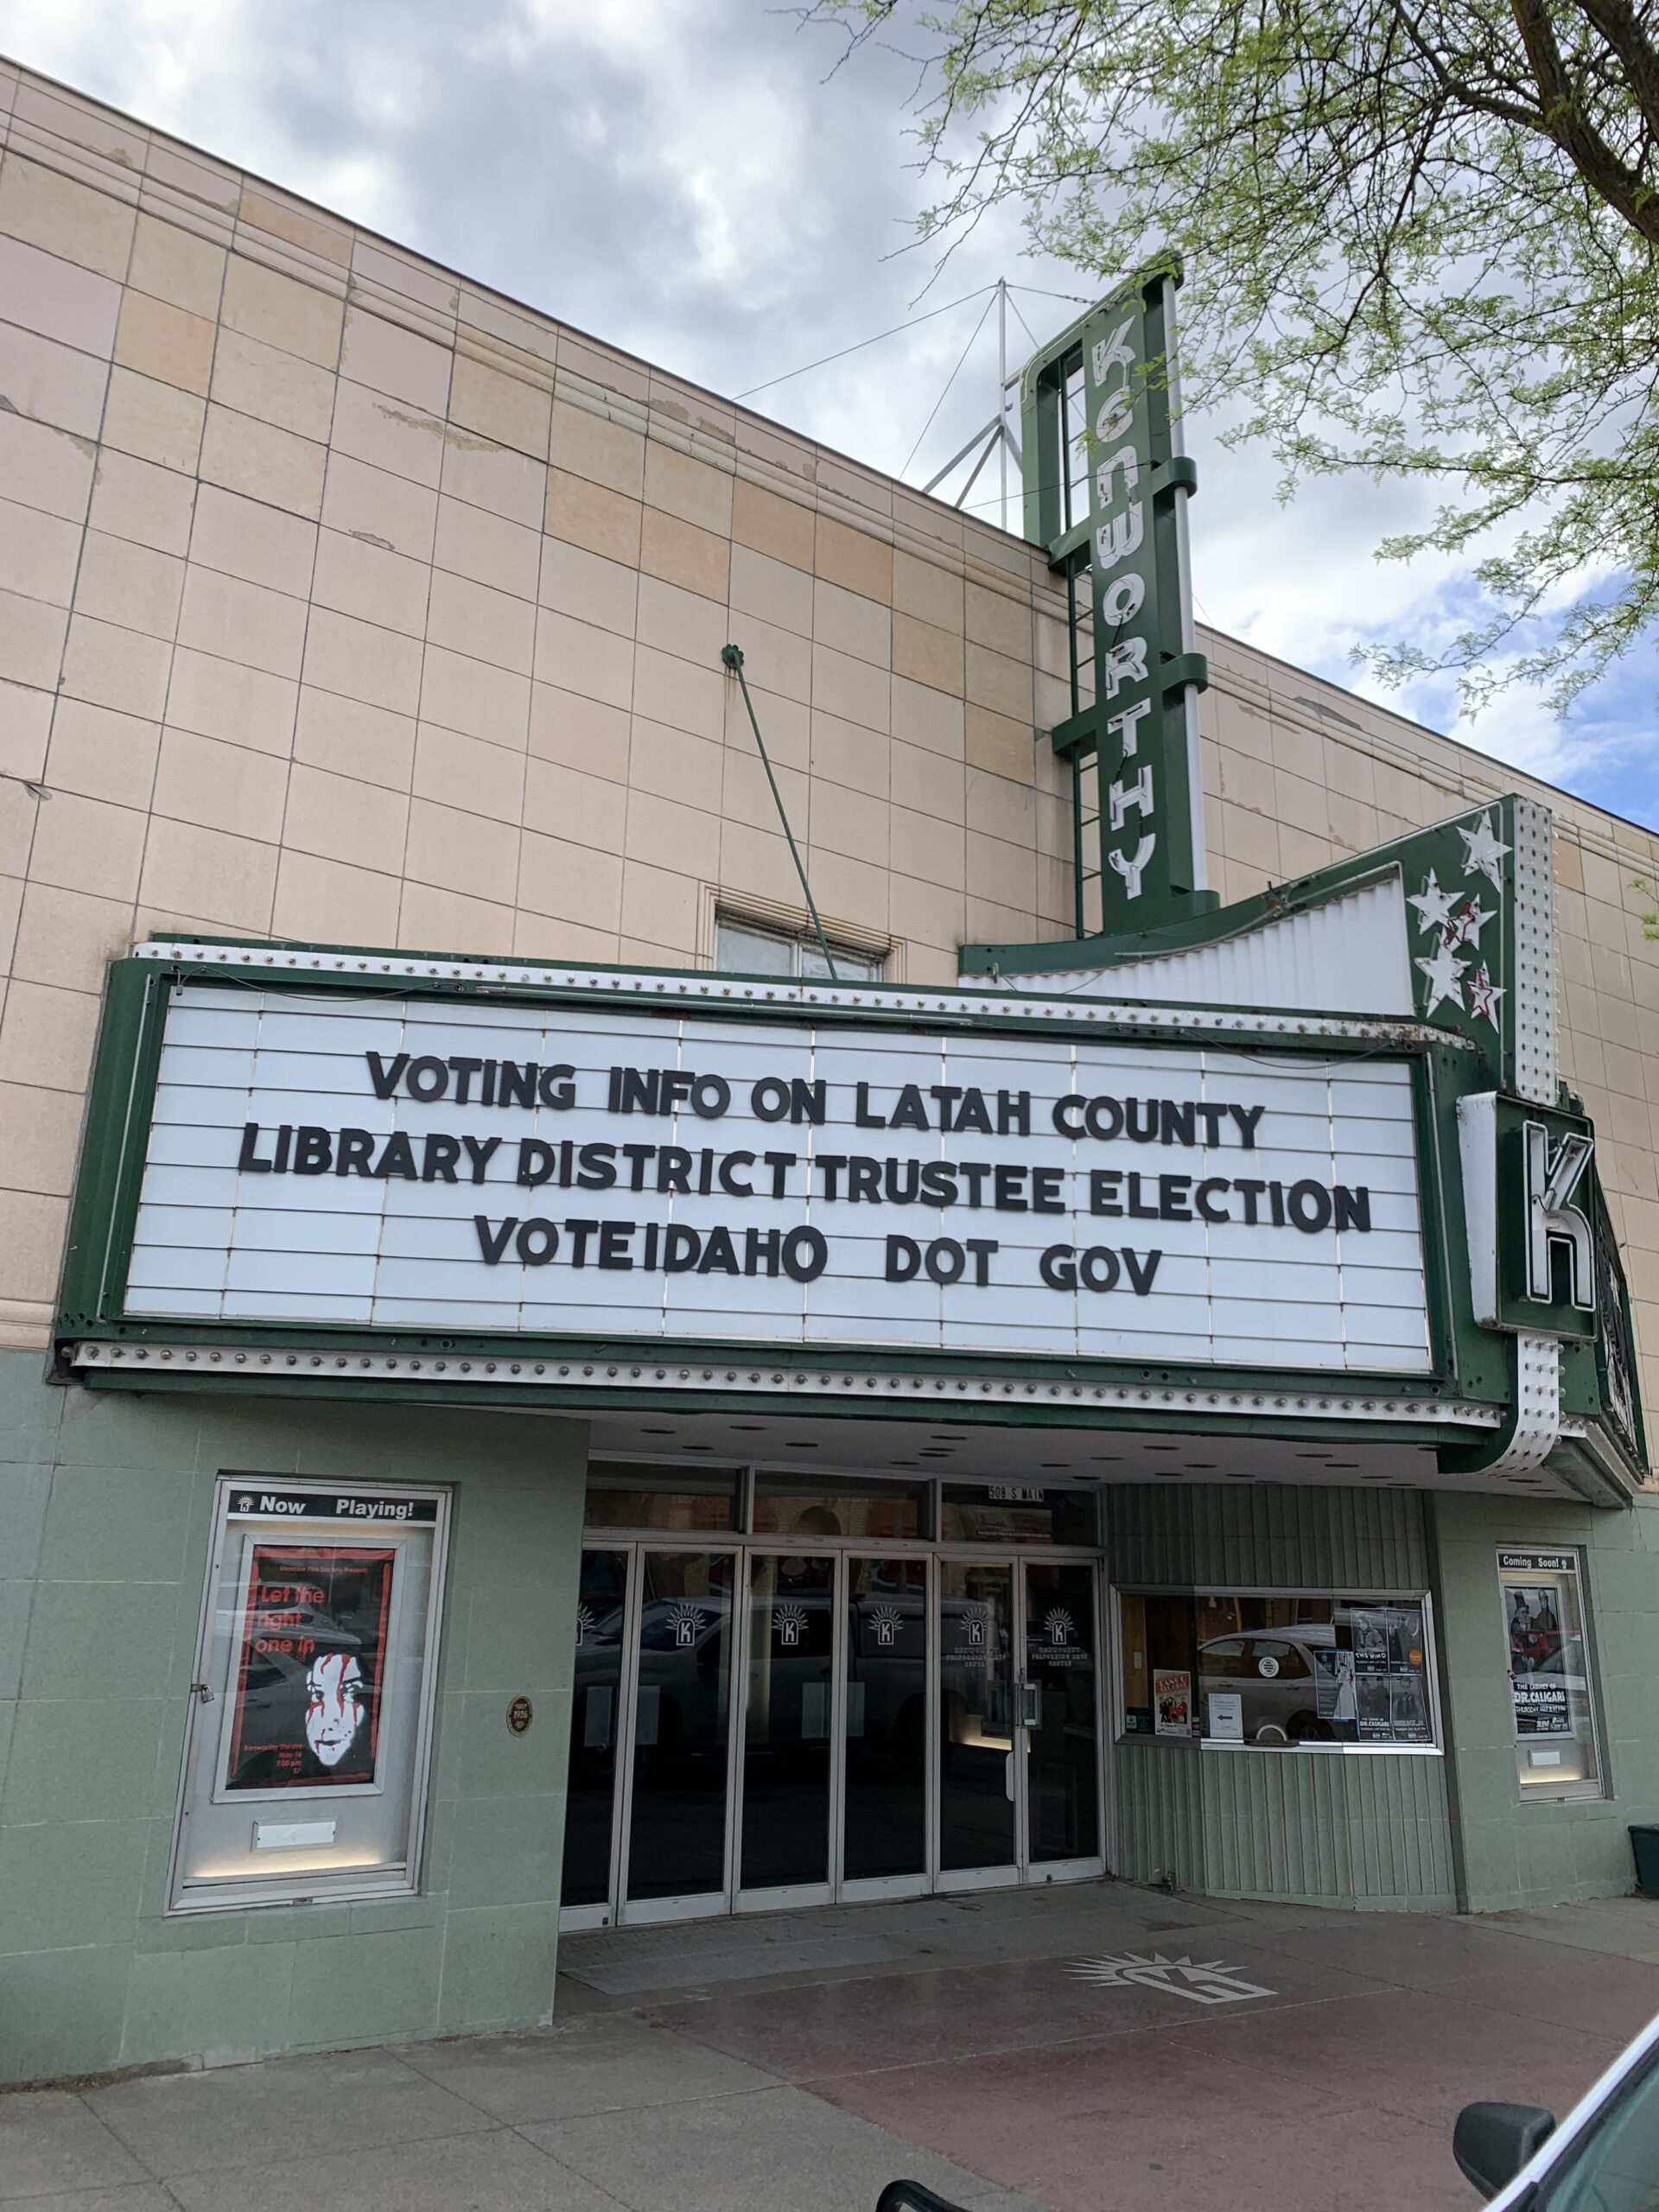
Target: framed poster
1172, 1702
1548, 1654
310, 1667
306, 1758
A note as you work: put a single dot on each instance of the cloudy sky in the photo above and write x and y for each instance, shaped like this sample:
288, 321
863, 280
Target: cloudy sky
694, 179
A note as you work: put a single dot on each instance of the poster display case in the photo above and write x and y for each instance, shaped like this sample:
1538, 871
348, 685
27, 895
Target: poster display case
311, 1709
1551, 1700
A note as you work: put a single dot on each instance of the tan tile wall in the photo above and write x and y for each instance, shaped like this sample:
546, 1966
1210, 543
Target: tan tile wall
342, 600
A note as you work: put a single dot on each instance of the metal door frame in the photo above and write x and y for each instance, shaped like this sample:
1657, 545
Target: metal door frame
1023, 1872
731, 1899
701, 1904
1034, 1874
1008, 1876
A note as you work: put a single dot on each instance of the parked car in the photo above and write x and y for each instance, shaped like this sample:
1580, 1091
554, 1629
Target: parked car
1604, 2157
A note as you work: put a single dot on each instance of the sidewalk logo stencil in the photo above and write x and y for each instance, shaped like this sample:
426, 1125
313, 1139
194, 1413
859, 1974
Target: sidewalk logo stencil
788, 1626
1207, 1982
686, 1621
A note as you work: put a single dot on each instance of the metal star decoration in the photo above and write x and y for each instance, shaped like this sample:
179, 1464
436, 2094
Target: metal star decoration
1466, 924
1483, 994
1443, 972
1433, 905
1484, 851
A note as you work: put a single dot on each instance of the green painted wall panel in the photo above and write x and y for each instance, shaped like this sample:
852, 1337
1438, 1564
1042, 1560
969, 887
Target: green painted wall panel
1514, 1853
105, 1510
1160, 1815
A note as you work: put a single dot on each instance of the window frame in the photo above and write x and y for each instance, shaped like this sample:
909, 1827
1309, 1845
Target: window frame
1375, 1594
872, 965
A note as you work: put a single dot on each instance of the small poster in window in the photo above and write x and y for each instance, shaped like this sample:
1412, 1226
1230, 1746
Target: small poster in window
1368, 1631
1410, 1709
1333, 1690
305, 1682
1535, 1625
1540, 1705
1226, 1716
1376, 1709
1172, 1702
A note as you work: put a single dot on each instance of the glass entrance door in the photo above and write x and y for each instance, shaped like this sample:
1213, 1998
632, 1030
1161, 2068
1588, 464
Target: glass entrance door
1060, 1702
1019, 1789
590, 1793
785, 1856
759, 1726
885, 1729
979, 1778
679, 1816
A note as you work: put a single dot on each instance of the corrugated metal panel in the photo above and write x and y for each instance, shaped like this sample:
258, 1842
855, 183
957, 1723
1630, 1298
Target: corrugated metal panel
1350, 956
1273, 1827
1282, 1536
1399, 1831
1160, 1815
1366, 1833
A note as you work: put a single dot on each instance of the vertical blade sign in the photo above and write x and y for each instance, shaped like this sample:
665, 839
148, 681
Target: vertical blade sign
1151, 851
1102, 409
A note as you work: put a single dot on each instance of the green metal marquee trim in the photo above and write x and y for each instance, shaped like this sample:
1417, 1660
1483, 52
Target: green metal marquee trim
1468, 1364
92, 1300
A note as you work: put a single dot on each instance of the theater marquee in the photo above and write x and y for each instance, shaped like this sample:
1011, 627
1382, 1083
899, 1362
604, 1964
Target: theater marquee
1181, 1198
402, 1164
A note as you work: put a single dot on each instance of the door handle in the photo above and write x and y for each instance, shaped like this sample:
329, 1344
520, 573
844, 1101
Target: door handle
1030, 1705
201, 1692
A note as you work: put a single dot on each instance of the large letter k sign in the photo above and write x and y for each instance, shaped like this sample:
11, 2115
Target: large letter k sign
1554, 1218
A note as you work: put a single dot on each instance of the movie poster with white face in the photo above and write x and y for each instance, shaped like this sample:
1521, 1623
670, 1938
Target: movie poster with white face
306, 1680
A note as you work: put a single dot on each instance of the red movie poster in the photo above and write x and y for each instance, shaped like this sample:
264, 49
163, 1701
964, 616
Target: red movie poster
309, 1675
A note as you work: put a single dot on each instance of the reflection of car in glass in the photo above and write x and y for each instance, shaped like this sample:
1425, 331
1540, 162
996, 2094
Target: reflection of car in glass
1604, 2157
886, 1663
682, 1674
682, 1689
1277, 1678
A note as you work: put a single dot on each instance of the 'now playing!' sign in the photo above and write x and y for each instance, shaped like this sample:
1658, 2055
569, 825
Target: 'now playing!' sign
589, 1170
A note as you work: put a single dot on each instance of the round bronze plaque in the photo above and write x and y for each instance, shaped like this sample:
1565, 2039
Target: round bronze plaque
520, 1713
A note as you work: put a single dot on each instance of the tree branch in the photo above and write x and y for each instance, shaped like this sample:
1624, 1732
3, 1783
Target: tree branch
1563, 118
1622, 27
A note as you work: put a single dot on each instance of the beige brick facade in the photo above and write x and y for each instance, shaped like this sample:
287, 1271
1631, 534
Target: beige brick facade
342, 600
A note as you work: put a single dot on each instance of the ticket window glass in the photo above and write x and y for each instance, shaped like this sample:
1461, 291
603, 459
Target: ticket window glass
1550, 1696
310, 1713
1281, 1671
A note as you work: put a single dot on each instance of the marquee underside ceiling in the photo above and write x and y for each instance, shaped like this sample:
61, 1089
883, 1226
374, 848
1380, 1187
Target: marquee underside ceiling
1023, 1454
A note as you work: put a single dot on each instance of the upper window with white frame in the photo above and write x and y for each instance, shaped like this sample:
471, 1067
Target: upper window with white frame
745, 949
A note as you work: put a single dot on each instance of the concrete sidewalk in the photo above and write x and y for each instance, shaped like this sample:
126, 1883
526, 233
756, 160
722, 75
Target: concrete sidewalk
1014, 2050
